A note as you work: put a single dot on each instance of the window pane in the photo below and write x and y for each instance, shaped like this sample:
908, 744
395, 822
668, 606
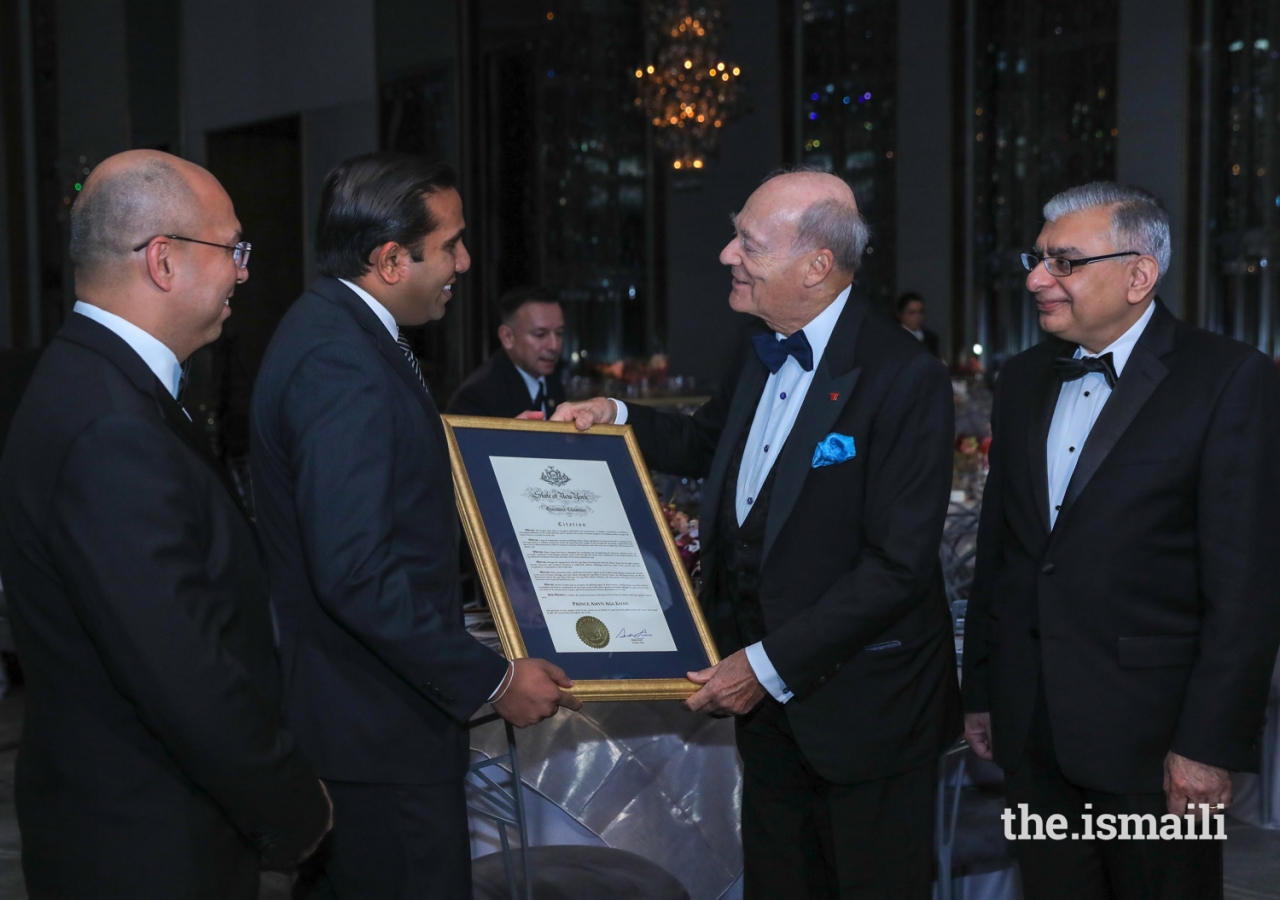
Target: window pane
1242, 191
1041, 118
848, 118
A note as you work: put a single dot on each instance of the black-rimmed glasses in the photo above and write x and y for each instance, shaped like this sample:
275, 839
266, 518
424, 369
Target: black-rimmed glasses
239, 252
1060, 266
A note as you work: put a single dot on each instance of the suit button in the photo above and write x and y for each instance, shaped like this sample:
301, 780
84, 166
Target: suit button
1048, 569
1035, 633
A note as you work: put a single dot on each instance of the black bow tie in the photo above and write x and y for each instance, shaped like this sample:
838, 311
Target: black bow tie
1069, 369
773, 352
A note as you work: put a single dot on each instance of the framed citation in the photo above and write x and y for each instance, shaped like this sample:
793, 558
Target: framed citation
575, 556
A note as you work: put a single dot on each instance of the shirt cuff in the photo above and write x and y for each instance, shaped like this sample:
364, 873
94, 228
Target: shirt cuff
498, 691
620, 417
766, 674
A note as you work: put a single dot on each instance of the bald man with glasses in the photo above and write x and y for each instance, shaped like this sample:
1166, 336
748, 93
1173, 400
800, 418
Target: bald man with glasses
154, 763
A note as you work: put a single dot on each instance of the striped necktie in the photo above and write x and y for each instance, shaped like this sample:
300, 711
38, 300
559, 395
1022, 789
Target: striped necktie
413, 360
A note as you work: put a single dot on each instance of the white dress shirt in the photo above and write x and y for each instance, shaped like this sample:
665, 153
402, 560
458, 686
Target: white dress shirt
779, 406
389, 322
533, 384
383, 314
158, 357
1079, 404
776, 413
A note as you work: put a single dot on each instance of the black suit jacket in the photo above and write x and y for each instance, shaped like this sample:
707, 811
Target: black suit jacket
496, 389
153, 763
931, 342
1154, 596
850, 556
355, 504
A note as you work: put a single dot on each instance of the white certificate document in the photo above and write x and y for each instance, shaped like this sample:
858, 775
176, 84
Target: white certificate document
587, 570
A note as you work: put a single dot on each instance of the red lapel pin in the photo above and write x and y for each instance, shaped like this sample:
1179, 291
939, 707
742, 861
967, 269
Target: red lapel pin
835, 397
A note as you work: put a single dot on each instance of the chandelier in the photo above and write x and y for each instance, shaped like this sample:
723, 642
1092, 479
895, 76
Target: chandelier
687, 92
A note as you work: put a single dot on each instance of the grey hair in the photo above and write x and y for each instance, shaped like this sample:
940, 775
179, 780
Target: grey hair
1138, 222
115, 213
829, 224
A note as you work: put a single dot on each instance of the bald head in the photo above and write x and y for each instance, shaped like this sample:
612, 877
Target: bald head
823, 211
129, 198
153, 240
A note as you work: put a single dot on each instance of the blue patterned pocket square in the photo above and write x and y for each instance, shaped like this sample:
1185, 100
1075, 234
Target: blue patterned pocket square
834, 448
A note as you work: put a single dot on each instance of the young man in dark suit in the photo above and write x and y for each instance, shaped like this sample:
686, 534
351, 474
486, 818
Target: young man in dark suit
525, 374
355, 505
1123, 622
153, 763
827, 456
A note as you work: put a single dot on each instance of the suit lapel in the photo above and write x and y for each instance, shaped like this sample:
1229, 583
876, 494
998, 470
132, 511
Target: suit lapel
555, 389
394, 356
517, 390
177, 420
1142, 375
1045, 401
337, 292
102, 340
742, 408
836, 375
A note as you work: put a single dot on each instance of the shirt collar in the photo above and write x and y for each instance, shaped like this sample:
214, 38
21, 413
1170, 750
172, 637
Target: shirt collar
159, 358
1122, 347
383, 314
819, 329
533, 384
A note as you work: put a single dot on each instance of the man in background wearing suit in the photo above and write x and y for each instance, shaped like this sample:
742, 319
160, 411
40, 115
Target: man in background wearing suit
827, 457
909, 309
356, 507
525, 375
153, 763
1123, 621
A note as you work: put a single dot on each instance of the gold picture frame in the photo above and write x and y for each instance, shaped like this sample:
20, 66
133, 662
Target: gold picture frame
674, 686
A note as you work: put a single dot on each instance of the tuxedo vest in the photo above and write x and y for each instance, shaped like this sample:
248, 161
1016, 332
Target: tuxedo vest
740, 550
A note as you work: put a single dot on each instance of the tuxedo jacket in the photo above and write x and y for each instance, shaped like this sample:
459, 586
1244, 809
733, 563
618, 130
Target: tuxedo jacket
153, 764
355, 505
1150, 609
497, 389
850, 584
931, 342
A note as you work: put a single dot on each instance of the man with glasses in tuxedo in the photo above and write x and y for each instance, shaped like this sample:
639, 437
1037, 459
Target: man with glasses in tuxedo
1122, 624
153, 763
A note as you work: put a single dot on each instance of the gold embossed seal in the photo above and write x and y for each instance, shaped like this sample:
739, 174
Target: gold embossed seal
592, 632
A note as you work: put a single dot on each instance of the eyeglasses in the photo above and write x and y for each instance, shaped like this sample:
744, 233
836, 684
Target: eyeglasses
1060, 266
239, 252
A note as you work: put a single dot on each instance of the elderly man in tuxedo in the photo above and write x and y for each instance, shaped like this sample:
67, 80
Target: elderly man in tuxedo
1123, 621
827, 458
153, 763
